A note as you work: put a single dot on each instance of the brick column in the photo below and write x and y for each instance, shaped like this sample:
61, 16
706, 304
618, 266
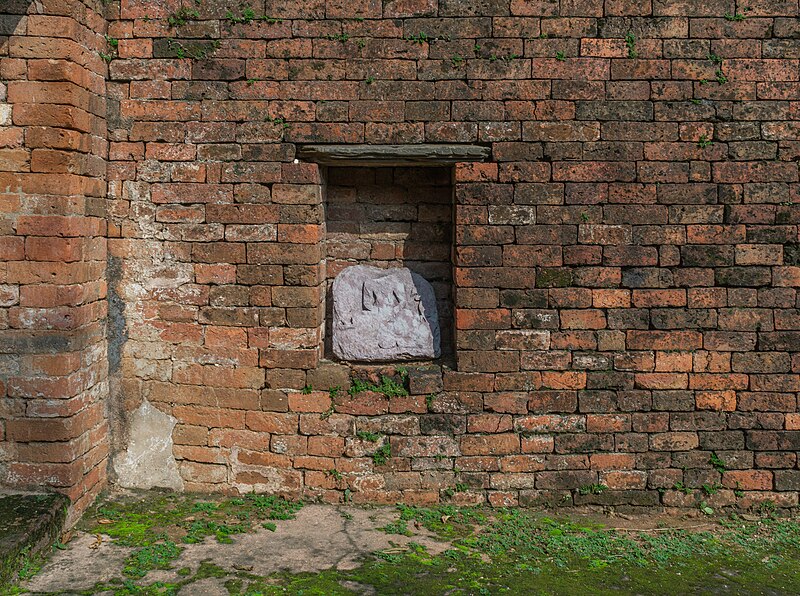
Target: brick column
52, 244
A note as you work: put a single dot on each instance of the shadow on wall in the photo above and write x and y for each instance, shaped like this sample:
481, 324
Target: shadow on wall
11, 13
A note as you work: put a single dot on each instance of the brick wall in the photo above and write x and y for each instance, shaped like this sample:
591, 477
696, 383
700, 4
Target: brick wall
625, 266
52, 243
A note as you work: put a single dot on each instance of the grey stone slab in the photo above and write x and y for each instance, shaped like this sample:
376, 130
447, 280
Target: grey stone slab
384, 314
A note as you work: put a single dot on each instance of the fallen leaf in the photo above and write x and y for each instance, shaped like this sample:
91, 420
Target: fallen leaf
98, 541
243, 567
105, 521
445, 518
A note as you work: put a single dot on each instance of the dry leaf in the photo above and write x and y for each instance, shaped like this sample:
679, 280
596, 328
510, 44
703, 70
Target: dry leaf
105, 521
445, 518
98, 541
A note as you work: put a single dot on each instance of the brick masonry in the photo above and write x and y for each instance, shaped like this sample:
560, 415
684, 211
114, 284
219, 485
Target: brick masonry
625, 267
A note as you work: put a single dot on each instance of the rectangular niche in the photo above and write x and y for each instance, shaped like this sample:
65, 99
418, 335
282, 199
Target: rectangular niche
392, 217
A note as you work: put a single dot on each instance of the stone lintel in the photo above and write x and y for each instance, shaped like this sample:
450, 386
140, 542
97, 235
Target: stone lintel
392, 155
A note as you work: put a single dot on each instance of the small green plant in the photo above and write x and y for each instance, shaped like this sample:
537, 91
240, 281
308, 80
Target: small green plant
703, 143
560, 56
279, 121
681, 488
720, 77
630, 43
368, 436
270, 20
247, 16
195, 51
334, 392
592, 489
382, 455
766, 507
461, 487
341, 37
250, 82
738, 492
718, 464
388, 387
429, 400
584, 216
106, 57
271, 526
369, 80
182, 16
419, 38
736, 15
306, 389
716, 59
705, 509
327, 413
334, 473
711, 489
477, 49
695, 101
456, 60
361, 43
112, 42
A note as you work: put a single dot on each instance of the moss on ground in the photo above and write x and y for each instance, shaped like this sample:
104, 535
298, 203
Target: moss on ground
487, 552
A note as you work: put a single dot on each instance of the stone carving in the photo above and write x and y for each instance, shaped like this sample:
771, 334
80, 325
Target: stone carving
384, 314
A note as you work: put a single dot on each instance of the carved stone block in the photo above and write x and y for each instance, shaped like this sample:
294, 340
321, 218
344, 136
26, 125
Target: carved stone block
384, 314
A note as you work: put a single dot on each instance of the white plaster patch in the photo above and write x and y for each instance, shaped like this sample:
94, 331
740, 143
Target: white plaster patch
148, 461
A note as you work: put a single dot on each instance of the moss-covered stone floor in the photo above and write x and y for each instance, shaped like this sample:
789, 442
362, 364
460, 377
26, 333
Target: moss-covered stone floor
165, 543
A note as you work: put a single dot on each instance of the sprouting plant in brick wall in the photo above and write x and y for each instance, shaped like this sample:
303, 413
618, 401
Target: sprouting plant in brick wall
182, 16
419, 38
250, 82
506, 58
368, 436
113, 45
334, 392
456, 60
681, 488
361, 43
270, 20
630, 42
342, 37
720, 77
477, 49
738, 492
194, 50
369, 80
592, 489
306, 390
736, 15
561, 56
705, 509
382, 455
716, 462
429, 400
711, 489
283, 124
715, 58
334, 473
704, 142
247, 16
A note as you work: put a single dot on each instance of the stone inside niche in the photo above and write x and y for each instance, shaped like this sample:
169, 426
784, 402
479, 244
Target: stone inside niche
384, 314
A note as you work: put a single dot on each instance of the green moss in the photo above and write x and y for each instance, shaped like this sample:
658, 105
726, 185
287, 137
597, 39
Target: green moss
553, 278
